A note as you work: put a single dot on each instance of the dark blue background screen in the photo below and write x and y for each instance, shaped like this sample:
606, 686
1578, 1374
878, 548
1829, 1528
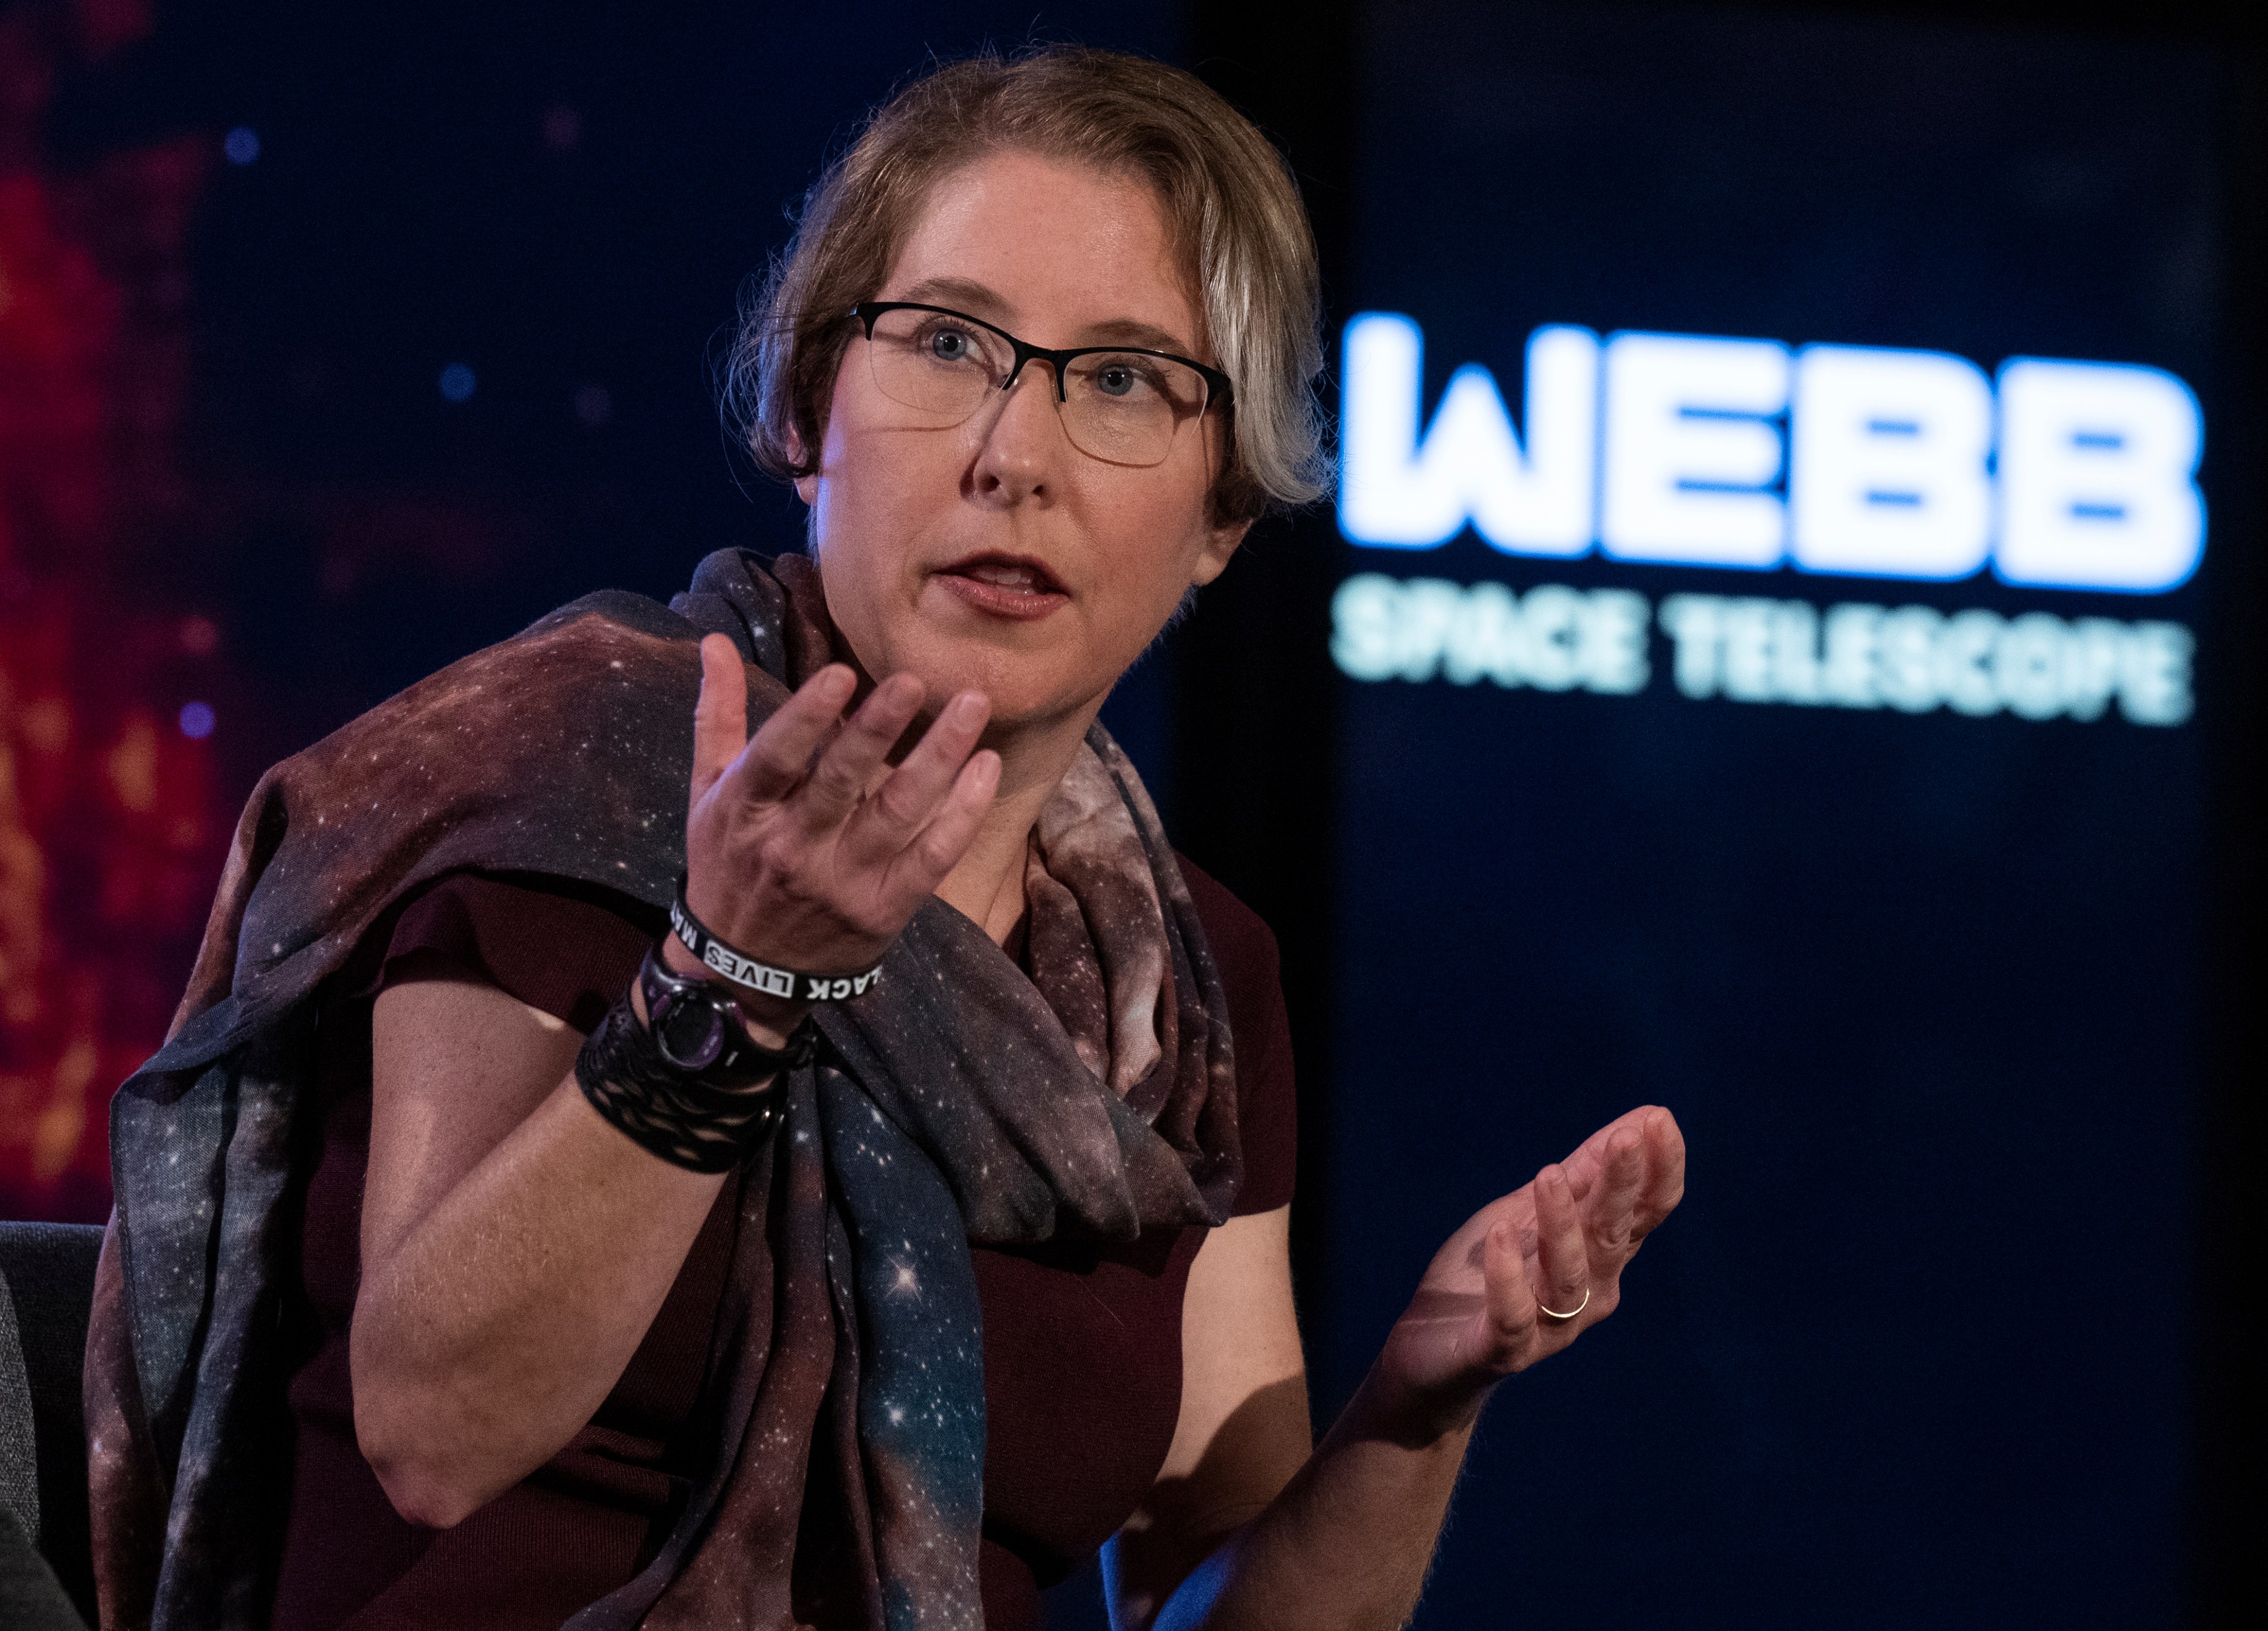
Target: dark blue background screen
1923, 990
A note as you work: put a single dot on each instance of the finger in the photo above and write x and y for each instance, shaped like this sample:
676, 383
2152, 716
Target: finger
1511, 1301
922, 865
1610, 1212
908, 800
1563, 1262
720, 717
1584, 1166
838, 780
779, 755
1664, 1186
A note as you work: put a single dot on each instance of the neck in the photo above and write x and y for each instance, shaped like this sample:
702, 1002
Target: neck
987, 886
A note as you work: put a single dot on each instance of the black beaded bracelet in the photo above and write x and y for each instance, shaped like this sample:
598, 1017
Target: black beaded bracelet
687, 1122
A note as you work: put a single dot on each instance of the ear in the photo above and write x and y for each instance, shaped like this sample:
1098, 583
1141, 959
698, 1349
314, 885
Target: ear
1219, 545
807, 487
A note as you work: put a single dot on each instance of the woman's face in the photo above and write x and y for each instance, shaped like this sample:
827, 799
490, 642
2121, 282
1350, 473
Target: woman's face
993, 554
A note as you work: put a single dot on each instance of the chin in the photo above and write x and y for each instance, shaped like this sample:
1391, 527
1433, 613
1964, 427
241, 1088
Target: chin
1024, 687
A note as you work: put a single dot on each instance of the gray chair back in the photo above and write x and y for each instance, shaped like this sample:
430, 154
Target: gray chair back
47, 1289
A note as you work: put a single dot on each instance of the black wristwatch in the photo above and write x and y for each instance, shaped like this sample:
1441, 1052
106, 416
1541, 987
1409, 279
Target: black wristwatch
700, 1032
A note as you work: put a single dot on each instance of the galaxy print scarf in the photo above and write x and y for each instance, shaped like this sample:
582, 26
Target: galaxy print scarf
958, 1102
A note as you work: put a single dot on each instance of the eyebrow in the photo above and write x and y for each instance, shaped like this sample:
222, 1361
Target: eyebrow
980, 301
1126, 331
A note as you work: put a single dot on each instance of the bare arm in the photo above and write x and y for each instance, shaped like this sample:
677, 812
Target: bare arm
515, 1246
1242, 1432
1246, 1530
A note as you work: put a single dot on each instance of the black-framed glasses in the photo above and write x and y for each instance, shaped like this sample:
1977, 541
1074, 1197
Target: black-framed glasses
1120, 403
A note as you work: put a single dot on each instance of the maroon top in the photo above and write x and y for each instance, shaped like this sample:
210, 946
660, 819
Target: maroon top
1082, 1343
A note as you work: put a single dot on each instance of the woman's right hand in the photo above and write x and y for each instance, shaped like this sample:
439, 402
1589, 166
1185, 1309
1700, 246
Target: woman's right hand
515, 1247
796, 852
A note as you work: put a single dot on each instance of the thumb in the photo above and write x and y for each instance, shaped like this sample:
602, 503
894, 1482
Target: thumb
720, 717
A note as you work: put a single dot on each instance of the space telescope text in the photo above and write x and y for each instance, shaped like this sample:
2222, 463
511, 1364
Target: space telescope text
1755, 649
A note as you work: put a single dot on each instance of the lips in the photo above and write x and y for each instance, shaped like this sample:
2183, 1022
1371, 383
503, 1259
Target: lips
1009, 585
1007, 572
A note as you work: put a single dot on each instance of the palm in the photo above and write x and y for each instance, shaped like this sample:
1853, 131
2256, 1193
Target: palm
805, 845
1491, 1302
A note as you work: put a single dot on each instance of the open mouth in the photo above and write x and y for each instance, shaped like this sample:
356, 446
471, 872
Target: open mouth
1015, 586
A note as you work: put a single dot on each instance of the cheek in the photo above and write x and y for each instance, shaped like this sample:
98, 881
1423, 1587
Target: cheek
865, 503
1167, 526
875, 467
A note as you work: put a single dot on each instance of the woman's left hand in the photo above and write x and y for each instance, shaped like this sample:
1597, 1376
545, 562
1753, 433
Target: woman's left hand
1528, 1274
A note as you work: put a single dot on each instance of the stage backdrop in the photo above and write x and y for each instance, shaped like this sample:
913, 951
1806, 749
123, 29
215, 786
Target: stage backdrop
1778, 515
336, 343
1783, 534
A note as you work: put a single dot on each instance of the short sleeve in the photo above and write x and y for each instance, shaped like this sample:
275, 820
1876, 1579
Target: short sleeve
570, 954
1267, 1109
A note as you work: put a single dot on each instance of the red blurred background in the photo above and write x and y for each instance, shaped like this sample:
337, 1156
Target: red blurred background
244, 249
112, 823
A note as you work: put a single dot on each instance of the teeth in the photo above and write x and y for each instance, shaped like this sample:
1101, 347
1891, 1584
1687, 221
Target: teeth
1001, 575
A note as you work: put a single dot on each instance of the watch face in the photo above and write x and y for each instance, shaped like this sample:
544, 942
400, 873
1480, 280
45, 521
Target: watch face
691, 1032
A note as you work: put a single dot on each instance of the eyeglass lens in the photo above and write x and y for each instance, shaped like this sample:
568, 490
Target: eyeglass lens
1124, 407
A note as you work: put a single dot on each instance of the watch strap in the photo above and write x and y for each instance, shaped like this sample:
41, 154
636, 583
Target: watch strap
740, 1060
679, 1118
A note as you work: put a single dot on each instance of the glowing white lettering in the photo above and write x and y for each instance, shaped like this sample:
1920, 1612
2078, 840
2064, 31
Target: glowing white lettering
1896, 462
1976, 662
2095, 478
1886, 470
1748, 649
1689, 452
1398, 493
1553, 637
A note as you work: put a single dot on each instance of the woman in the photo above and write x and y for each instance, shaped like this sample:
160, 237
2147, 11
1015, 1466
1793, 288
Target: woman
745, 1307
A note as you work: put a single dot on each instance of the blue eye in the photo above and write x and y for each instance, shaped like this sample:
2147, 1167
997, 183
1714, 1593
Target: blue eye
1116, 379
948, 345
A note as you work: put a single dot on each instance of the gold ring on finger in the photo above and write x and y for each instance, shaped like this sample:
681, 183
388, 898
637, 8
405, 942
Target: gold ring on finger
1554, 1313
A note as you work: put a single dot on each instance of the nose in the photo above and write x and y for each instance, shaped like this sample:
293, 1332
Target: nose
1022, 445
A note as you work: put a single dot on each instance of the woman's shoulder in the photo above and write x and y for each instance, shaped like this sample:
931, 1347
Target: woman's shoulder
555, 943
1241, 938
1244, 951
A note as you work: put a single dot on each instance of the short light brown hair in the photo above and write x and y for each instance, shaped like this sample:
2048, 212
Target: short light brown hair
1229, 200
